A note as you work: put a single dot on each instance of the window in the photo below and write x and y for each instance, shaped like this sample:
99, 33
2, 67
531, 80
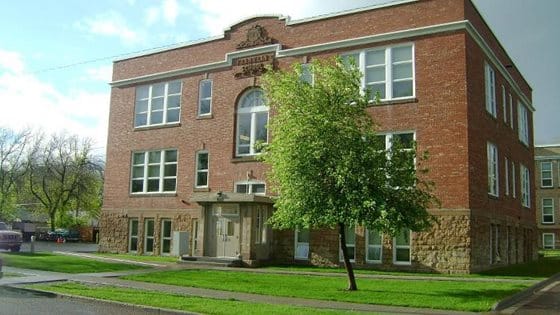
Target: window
154, 171
302, 244
504, 104
490, 89
306, 74
546, 174
510, 111
401, 248
260, 226
194, 241
257, 188
525, 186
374, 246
252, 118
165, 236
406, 140
523, 121
133, 235
492, 152
495, 256
388, 71
513, 181
547, 211
148, 236
157, 104
548, 240
506, 169
350, 234
201, 169
205, 98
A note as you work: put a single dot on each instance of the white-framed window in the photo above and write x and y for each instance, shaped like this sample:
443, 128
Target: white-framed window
260, 229
166, 236
510, 111
252, 120
490, 89
547, 207
523, 123
306, 74
154, 172
504, 104
388, 71
350, 234
406, 139
401, 248
548, 240
157, 104
374, 246
493, 181
301, 244
133, 235
495, 255
149, 236
205, 98
194, 241
546, 175
202, 167
513, 180
506, 169
250, 187
525, 186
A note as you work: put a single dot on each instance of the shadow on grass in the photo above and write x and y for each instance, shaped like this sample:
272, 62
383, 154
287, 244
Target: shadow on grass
544, 267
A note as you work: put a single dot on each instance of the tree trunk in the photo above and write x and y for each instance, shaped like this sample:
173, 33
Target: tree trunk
347, 264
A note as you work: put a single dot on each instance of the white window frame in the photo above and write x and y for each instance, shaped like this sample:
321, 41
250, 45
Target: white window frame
510, 111
260, 229
250, 187
302, 245
252, 111
352, 258
495, 255
164, 238
396, 247
553, 246
145, 164
550, 177
375, 246
506, 175
149, 237
493, 171
523, 123
490, 89
525, 186
513, 180
165, 107
388, 81
504, 104
202, 99
549, 208
133, 236
200, 170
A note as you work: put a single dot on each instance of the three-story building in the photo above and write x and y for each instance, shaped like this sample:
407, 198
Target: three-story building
547, 165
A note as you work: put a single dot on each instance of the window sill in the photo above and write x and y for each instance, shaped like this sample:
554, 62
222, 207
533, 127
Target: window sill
394, 102
142, 195
547, 223
402, 263
203, 117
242, 159
172, 125
547, 187
201, 189
492, 196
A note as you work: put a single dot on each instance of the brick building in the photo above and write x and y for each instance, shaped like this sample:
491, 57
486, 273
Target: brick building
183, 122
547, 165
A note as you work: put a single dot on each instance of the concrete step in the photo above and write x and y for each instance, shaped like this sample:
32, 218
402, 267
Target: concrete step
211, 261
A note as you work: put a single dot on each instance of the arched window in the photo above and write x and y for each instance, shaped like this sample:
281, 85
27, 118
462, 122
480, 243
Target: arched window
252, 118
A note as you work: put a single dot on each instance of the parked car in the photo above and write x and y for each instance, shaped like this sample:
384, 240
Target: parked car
10, 239
63, 235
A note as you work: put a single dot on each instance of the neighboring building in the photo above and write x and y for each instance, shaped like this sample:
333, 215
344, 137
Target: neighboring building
184, 121
547, 166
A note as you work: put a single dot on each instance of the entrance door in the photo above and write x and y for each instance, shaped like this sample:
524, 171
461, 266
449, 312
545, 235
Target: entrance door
225, 230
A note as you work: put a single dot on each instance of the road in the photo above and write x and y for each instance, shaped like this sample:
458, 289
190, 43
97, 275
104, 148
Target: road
21, 302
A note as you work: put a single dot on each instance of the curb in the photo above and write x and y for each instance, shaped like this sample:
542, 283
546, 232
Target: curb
524, 295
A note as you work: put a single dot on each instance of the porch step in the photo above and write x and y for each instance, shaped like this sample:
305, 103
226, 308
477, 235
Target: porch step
212, 261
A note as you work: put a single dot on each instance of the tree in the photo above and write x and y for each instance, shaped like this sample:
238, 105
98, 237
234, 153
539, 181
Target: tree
63, 175
329, 167
12, 168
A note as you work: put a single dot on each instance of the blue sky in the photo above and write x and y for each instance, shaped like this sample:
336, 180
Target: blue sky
56, 55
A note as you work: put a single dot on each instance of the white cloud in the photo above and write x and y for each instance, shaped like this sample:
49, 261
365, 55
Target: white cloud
34, 103
170, 11
111, 24
11, 61
103, 73
151, 15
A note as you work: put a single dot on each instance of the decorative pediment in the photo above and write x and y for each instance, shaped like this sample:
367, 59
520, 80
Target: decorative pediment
256, 36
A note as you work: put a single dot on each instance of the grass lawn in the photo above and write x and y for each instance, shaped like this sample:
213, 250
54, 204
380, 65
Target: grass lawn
61, 263
543, 268
178, 302
453, 295
140, 258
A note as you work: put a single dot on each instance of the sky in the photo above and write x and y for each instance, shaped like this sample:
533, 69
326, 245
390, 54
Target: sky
56, 55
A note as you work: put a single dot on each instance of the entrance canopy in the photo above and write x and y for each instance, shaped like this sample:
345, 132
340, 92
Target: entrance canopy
229, 197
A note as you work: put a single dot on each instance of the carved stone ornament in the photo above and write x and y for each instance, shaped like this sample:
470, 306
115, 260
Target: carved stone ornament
256, 36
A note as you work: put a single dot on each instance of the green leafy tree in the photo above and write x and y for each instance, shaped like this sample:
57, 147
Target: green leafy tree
329, 167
